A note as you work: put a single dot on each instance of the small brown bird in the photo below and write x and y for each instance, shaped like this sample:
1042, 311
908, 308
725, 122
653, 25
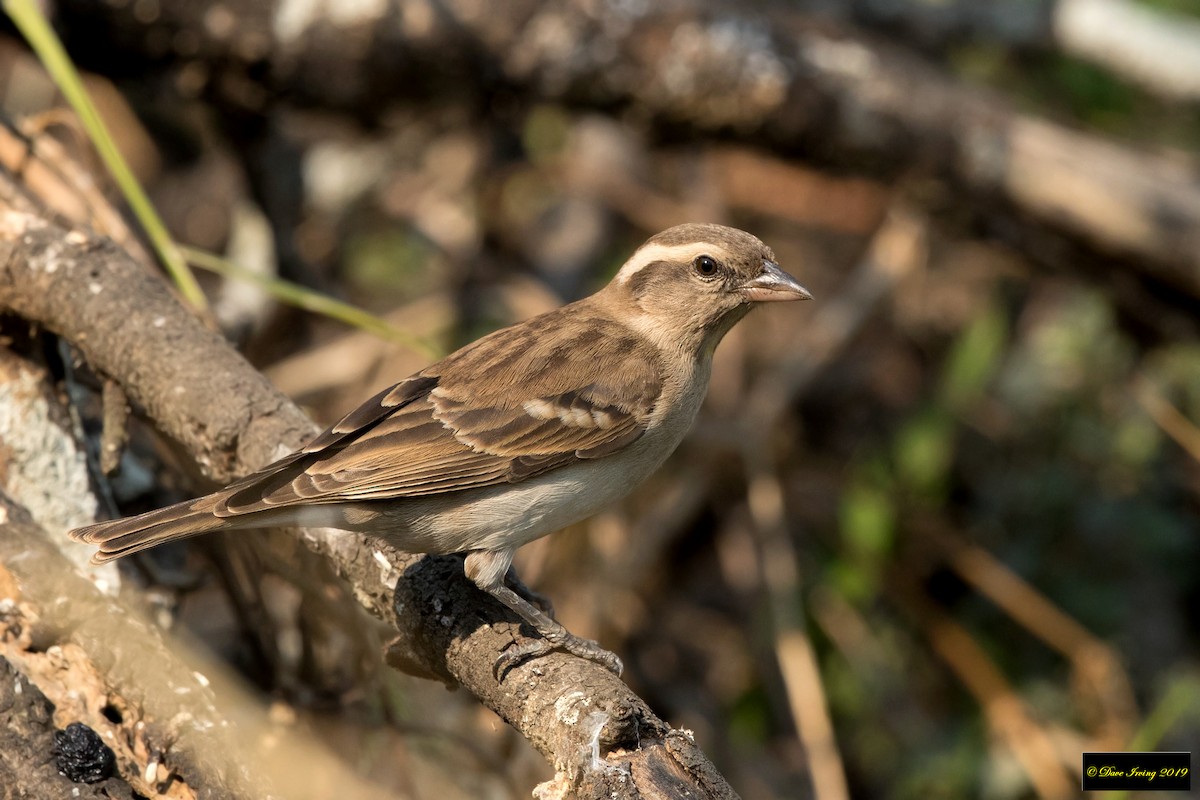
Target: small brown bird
515, 436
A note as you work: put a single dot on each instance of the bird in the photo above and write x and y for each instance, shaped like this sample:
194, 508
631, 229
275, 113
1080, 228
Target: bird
517, 435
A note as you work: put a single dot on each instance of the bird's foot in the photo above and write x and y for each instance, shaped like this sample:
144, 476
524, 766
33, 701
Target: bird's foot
491, 571
557, 640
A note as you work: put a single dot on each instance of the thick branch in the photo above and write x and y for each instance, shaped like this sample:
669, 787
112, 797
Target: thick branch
171, 700
218, 408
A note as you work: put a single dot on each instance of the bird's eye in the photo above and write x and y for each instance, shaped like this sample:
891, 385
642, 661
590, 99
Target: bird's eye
705, 266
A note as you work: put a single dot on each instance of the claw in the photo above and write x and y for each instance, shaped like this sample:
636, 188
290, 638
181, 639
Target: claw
492, 572
536, 648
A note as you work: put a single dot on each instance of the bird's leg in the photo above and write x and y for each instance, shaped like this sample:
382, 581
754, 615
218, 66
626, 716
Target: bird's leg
514, 582
488, 568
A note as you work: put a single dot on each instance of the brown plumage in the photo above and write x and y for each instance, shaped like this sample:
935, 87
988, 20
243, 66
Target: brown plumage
515, 435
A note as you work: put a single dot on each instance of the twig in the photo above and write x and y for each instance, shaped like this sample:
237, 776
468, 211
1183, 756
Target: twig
1096, 666
1004, 710
1174, 424
793, 647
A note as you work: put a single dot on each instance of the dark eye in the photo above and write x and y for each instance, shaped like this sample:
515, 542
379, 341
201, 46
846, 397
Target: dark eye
705, 266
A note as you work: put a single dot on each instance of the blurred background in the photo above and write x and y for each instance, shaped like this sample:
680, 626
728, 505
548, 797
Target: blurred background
935, 533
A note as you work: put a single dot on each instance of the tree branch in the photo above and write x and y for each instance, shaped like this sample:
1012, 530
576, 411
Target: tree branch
142, 672
764, 75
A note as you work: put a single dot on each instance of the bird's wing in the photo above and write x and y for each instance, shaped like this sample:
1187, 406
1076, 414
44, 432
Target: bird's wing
518, 403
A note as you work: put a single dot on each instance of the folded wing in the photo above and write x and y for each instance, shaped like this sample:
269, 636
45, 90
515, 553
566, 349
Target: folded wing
518, 403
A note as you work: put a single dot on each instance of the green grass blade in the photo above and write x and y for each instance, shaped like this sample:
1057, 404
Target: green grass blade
28, 18
301, 297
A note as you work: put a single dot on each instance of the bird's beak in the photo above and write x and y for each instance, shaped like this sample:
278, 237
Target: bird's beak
773, 284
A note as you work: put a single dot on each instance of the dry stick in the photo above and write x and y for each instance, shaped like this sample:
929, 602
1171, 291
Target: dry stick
1168, 417
1095, 664
1003, 708
897, 249
204, 396
793, 646
43, 167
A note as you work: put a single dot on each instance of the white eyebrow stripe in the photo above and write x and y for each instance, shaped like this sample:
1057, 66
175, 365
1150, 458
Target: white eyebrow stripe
678, 253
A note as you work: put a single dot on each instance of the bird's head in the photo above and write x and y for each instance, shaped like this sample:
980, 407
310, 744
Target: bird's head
687, 286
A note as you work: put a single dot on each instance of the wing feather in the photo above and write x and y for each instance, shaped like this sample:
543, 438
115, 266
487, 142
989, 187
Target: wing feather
525, 400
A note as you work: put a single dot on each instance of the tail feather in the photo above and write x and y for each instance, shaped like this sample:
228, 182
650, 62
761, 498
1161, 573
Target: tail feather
120, 537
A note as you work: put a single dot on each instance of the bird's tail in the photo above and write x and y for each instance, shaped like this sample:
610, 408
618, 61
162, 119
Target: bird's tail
120, 537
